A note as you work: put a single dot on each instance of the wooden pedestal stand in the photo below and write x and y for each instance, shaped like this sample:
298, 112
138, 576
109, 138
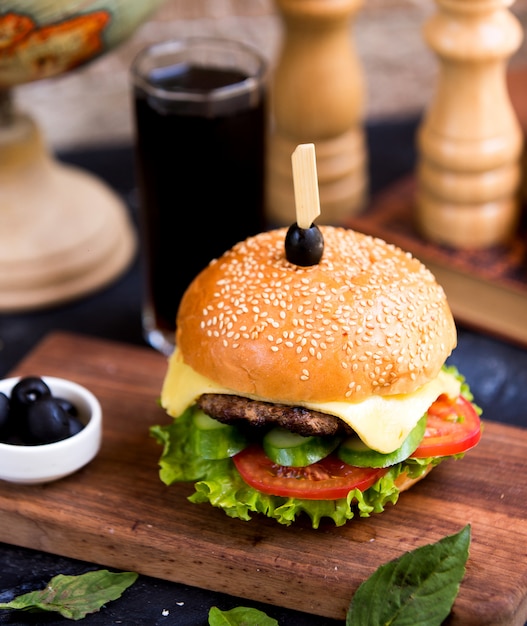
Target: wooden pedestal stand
62, 232
317, 96
470, 141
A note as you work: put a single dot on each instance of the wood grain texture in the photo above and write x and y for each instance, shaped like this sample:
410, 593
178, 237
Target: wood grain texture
116, 512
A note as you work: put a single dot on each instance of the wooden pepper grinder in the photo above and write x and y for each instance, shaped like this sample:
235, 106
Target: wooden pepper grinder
470, 142
317, 96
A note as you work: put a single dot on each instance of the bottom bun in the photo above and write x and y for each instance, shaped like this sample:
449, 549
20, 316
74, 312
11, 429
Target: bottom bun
404, 482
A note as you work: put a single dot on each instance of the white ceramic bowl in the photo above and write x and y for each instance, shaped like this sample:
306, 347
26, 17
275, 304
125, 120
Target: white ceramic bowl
47, 462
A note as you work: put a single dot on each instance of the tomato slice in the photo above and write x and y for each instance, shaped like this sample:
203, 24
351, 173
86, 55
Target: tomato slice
453, 426
328, 479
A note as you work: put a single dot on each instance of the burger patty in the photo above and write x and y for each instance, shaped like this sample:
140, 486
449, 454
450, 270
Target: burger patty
239, 410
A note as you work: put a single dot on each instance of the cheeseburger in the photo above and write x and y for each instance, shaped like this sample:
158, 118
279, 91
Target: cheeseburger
315, 390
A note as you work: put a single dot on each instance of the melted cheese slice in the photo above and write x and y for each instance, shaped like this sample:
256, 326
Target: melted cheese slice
382, 422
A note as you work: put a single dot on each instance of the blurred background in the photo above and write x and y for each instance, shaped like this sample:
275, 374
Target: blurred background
92, 105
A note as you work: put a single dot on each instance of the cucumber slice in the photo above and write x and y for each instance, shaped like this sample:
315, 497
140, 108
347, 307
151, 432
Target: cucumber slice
213, 440
294, 450
353, 451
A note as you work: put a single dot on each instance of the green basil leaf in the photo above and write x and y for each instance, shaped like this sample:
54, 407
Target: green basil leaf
75, 596
417, 588
240, 616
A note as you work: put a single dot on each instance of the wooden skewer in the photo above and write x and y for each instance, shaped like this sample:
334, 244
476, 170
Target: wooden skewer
305, 183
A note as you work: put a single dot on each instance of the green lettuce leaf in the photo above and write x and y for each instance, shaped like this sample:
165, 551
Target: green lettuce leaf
465, 389
219, 484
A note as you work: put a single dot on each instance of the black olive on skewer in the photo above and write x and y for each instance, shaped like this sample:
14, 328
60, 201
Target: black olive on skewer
304, 246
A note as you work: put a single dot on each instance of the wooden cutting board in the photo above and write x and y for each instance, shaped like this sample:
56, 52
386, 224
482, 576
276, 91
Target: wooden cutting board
115, 512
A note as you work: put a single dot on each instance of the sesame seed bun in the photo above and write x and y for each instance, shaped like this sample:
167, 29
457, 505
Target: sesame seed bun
369, 319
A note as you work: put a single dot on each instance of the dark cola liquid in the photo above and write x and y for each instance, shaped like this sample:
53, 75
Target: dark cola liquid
201, 182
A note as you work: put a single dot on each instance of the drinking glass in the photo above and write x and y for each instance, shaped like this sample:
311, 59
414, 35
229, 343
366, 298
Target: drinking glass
200, 126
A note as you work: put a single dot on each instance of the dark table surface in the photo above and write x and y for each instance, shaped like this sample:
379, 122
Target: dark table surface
495, 370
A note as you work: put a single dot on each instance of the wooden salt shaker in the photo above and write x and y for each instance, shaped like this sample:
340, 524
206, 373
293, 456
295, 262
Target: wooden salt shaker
317, 96
470, 141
